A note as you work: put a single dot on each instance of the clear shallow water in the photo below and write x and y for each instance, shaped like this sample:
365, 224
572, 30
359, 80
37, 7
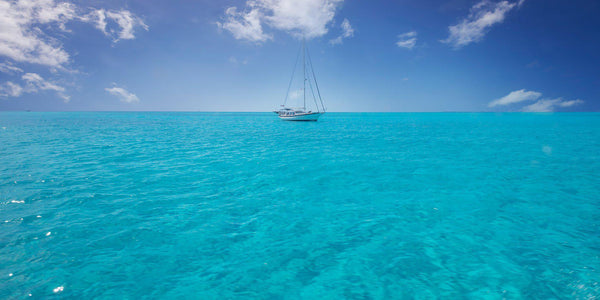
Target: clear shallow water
226, 205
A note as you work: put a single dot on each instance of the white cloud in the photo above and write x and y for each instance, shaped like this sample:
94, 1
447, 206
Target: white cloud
550, 105
33, 83
10, 89
407, 40
570, 103
98, 17
542, 105
516, 97
127, 22
36, 83
21, 38
482, 16
122, 94
28, 34
8, 68
124, 19
347, 31
235, 61
244, 26
25, 26
545, 105
301, 18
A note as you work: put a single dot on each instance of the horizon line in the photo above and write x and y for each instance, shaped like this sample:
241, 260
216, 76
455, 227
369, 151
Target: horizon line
225, 111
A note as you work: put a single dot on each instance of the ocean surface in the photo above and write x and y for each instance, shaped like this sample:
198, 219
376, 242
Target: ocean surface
355, 206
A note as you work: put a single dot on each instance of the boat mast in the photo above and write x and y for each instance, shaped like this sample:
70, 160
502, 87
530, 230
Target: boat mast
304, 71
315, 79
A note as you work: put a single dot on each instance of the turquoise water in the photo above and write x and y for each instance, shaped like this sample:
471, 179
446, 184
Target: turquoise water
243, 205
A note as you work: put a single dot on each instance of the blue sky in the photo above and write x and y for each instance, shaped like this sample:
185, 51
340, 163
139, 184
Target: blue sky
408, 55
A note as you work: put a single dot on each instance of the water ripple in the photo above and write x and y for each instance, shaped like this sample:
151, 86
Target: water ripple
208, 205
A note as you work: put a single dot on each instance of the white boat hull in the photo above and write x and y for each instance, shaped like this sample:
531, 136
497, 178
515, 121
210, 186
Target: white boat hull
302, 117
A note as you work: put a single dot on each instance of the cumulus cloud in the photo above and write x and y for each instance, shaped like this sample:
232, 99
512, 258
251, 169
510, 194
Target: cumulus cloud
24, 24
122, 94
407, 40
244, 26
32, 83
30, 33
301, 18
550, 105
347, 31
482, 17
542, 105
516, 97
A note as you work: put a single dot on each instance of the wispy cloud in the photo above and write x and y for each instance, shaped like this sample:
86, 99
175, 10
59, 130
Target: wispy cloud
10, 89
21, 36
124, 19
407, 40
8, 68
32, 83
533, 64
516, 97
347, 31
542, 105
482, 17
235, 61
36, 83
550, 105
569, 103
301, 18
122, 94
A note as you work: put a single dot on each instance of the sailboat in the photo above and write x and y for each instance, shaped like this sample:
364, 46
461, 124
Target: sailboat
302, 113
